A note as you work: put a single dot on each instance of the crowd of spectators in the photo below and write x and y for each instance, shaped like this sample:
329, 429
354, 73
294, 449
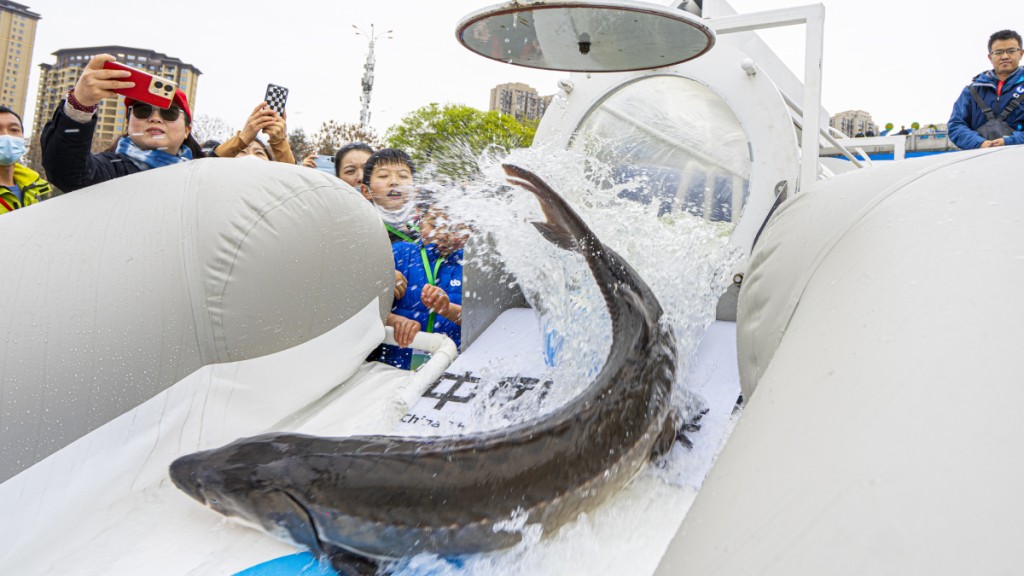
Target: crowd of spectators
427, 248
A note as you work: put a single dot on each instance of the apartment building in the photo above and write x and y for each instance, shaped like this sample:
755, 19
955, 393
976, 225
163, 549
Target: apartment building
853, 122
17, 38
518, 100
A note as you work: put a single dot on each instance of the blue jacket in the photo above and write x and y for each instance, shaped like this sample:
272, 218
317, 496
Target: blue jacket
409, 262
968, 117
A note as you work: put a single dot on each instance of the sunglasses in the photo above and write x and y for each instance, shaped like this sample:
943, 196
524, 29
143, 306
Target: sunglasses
145, 111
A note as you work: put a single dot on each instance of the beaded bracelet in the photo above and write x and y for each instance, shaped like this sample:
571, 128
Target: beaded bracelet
78, 105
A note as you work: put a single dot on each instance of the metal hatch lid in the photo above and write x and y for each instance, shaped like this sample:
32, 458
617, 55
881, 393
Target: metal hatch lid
585, 36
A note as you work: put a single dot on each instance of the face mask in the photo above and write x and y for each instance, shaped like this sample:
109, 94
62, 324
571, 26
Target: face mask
12, 148
397, 217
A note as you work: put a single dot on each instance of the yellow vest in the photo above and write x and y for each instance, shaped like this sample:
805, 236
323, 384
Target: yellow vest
32, 186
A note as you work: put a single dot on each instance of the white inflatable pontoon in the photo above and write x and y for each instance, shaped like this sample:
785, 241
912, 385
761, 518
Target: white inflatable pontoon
878, 335
873, 343
121, 291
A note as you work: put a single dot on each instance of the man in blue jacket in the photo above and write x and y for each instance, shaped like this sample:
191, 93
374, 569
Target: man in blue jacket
988, 112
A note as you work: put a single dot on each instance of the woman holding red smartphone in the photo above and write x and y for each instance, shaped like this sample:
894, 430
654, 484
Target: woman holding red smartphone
155, 136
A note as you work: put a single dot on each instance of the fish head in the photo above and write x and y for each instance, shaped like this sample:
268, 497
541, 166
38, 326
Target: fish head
242, 481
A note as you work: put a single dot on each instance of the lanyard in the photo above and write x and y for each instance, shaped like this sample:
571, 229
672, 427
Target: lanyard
398, 233
431, 274
431, 279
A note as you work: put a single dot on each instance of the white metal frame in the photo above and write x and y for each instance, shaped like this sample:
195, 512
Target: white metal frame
813, 16
898, 143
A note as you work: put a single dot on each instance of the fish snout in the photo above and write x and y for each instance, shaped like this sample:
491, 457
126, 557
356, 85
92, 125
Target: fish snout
185, 473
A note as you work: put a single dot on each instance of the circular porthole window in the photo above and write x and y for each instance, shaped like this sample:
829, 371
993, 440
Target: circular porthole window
673, 142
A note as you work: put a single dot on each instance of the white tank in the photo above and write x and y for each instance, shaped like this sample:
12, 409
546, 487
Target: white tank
880, 336
116, 291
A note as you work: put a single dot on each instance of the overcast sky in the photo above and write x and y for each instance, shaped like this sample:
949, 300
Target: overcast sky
902, 61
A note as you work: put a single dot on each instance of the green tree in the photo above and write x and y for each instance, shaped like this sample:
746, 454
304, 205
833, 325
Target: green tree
451, 137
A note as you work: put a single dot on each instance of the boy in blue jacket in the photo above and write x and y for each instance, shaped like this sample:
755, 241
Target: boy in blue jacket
432, 299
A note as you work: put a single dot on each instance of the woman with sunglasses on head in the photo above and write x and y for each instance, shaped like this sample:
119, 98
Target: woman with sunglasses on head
155, 137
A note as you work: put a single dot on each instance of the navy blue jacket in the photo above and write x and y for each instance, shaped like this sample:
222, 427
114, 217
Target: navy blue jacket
968, 117
68, 158
409, 262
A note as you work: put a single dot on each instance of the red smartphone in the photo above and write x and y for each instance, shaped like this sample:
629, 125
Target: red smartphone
148, 88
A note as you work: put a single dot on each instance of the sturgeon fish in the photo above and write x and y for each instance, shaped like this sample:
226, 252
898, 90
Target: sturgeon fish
355, 500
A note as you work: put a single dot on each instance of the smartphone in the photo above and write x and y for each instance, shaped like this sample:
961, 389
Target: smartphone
148, 88
276, 97
325, 163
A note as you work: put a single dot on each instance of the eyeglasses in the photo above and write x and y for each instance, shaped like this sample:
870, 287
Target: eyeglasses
1008, 52
145, 111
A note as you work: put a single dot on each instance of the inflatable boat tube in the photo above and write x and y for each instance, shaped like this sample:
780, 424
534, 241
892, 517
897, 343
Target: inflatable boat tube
879, 335
117, 291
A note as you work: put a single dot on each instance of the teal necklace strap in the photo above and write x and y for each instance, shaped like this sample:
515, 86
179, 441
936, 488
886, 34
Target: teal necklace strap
431, 279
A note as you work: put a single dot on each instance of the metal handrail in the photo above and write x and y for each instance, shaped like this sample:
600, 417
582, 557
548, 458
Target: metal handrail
442, 353
798, 121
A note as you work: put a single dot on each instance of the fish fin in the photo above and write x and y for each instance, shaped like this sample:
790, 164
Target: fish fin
669, 435
689, 426
295, 519
683, 439
347, 563
288, 514
674, 430
556, 235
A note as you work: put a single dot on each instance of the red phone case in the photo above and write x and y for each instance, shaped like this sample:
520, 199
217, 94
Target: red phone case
148, 88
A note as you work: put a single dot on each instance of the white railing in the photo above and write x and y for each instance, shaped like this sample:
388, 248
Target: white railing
442, 352
813, 17
898, 143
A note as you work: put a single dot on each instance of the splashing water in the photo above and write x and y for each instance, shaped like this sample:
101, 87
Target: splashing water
686, 261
